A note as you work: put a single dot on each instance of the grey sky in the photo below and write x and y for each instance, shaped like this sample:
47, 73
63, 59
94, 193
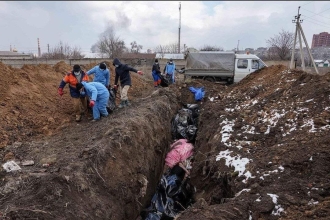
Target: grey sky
152, 23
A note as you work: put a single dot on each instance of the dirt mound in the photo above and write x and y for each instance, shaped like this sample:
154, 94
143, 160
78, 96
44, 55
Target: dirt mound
62, 67
262, 150
90, 170
29, 104
265, 141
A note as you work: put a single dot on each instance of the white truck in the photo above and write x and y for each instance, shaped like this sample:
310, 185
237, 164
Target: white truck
221, 66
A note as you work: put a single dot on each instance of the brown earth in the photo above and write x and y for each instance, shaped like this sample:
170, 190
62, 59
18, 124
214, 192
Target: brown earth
276, 121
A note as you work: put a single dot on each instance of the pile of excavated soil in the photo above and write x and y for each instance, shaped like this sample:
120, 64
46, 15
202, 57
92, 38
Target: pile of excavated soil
262, 150
30, 105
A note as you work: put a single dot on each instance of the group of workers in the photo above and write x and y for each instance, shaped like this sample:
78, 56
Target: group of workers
98, 90
168, 72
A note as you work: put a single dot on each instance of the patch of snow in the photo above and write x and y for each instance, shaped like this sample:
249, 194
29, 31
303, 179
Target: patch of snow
302, 109
243, 190
278, 209
261, 178
309, 100
237, 162
309, 122
281, 168
211, 99
258, 199
311, 159
312, 202
254, 102
229, 109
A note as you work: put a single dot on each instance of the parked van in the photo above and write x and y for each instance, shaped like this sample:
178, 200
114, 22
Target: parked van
221, 66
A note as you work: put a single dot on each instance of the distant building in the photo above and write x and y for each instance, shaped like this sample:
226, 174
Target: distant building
94, 55
250, 50
9, 55
321, 63
321, 40
175, 56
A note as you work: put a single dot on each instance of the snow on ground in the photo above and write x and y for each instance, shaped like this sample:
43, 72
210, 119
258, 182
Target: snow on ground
278, 209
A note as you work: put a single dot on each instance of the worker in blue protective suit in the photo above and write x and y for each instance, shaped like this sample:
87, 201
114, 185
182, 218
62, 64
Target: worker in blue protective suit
101, 74
98, 95
170, 71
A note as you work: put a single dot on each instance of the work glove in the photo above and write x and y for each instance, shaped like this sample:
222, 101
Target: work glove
91, 104
140, 72
60, 91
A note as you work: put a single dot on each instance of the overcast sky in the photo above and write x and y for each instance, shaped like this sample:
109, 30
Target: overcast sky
151, 23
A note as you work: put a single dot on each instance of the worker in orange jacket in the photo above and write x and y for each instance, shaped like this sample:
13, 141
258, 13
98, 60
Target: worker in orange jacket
79, 98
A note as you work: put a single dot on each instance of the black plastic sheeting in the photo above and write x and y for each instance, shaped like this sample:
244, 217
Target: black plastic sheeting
184, 124
112, 100
164, 82
173, 195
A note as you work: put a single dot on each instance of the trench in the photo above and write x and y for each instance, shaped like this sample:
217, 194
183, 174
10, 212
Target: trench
100, 174
161, 204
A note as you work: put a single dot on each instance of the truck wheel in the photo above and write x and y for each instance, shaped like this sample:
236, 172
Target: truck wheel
209, 78
230, 80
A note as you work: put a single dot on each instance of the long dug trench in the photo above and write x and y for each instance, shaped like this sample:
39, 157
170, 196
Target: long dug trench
94, 171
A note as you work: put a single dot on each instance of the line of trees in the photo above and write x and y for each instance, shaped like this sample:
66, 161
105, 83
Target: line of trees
111, 45
63, 51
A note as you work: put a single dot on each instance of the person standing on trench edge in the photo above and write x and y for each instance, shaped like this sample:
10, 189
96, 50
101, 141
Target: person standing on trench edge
122, 73
99, 96
170, 71
155, 73
79, 100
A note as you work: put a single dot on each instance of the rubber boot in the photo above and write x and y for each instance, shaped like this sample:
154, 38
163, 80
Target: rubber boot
127, 103
122, 104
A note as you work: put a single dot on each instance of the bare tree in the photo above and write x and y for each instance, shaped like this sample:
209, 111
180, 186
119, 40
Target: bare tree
161, 49
280, 45
135, 48
211, 48
110, 44
63, 51
172, 48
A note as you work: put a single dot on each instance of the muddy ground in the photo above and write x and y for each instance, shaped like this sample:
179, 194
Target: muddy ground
262, 150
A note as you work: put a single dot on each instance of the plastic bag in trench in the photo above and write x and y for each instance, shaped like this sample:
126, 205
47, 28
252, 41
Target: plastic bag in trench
173, 194
111, 105
199, 92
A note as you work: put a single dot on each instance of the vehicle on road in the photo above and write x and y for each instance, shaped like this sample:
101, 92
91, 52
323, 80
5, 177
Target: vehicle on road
218, 66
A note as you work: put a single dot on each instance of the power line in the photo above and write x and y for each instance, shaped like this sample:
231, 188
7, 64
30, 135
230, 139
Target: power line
318, 24
314, 19
315, 13
321, 12
306, 3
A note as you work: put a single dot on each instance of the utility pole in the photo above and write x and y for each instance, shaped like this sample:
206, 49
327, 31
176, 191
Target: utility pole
300, 32
179, 26
48, 47
238, 46
39, 51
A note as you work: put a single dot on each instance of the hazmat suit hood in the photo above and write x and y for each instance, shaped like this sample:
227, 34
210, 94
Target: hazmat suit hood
116, 62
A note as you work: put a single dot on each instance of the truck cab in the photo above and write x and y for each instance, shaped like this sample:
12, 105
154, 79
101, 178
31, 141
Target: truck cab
246, 64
